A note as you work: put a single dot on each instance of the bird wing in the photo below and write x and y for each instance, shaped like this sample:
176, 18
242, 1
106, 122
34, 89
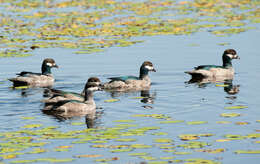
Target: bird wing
123, 78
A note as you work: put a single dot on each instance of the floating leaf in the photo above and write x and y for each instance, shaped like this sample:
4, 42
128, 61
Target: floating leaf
196, 122
88, 156
99, 141
253, 135
120, 150
61, 150
23, 161
9, 156
64, 147
138, 154
223, 122
163, 140
148, 158
107, 159
221, 85
119, 146
111, 100
21, 87
99, 146
181, 153
171, 121
223, 140
77, 123
124, 121
247, 152
32, 126
37, 151
138, 97
199, 160
28, 118
230, 114
167, 158
157, 116
188, 137
242, 123
125, 139
159, 133
213, 151
194, 145
223, 44
140, 146
236, 107
234, 137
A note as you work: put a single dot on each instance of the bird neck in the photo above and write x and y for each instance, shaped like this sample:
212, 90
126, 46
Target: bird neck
88, 97
227, 62
46, 70
143, 73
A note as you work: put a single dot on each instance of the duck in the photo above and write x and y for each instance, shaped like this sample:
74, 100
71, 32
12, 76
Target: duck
43, 79
125, 83
75, 107
215, 71
59, 95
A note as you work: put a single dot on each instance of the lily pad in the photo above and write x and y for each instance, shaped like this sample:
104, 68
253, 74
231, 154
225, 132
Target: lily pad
230, 114
111, 100
237, 107
196, 122
247, 152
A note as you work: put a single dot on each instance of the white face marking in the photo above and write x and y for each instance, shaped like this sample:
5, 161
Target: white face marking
97, 83
235, 57
149, 67
230, 55
49, 64
93, 88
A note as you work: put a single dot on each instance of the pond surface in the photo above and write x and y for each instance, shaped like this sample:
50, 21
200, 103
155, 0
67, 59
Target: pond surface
212, 137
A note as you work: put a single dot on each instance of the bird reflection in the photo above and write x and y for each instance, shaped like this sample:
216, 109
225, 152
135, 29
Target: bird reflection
229, 88
26, 92
145, 95
91, 119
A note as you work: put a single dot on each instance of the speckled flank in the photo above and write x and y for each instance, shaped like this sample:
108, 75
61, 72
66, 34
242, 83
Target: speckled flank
33, 80
70, 104
43, 79
213, 71
128, 83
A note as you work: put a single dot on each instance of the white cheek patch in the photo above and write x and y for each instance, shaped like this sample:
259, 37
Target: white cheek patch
93, 88
94, 83
149, 67
230, 55
49, 64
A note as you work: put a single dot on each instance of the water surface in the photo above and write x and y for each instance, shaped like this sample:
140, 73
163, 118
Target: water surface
170, 96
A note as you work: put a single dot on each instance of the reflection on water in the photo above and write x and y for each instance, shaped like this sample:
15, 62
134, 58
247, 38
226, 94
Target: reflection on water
92, 119
207, 80
147, 97
228, 86
172, 99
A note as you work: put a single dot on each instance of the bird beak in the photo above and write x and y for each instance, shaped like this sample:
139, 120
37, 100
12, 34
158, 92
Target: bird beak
56, 66
236, 57
101, 87
153, 70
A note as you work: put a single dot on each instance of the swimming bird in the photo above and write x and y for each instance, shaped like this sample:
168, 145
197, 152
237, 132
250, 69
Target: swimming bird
43, 79
125, 83
215, 71
75, 107
59, 95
